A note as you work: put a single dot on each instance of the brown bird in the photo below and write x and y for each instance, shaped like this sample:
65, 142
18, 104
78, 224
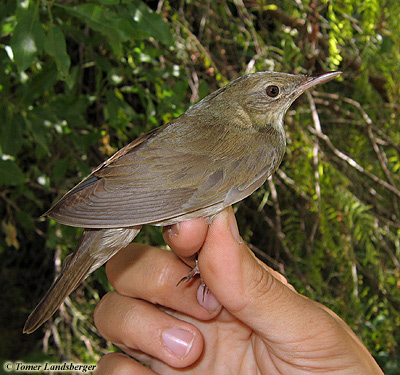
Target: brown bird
215, 154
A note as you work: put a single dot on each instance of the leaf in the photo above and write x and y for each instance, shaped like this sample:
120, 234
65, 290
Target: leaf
151, 23
10, 173
10, 232
11, 134
25, 220
387, 44
28, 38
115, 28
59, 169
56, 46
109, 2
38, 84
39, 134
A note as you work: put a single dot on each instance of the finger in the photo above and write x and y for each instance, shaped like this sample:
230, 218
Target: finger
247, 289
275, 274
152, 274
120, 364
274, 311
187, 237
138, 325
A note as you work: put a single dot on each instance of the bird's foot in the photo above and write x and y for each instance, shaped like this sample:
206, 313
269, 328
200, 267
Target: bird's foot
193, 273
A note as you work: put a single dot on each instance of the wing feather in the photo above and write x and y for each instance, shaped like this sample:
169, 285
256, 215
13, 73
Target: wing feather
167, 176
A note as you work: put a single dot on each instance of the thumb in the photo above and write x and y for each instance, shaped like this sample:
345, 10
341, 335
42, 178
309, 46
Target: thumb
246, 287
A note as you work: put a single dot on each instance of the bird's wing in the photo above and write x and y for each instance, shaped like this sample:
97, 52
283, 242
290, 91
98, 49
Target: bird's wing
165, 175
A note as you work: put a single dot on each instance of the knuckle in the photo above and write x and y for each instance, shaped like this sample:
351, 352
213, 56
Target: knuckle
264, 285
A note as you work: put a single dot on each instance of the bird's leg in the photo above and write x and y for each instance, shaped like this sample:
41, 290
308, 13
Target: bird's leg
195, 270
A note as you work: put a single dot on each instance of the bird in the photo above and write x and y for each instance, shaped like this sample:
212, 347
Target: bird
215, 154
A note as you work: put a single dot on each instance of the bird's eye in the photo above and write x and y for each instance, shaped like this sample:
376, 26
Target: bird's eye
272, 91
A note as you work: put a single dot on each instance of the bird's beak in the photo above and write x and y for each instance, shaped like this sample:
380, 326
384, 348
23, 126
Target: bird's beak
312, 81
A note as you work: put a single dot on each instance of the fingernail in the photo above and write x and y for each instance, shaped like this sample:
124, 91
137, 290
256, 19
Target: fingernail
178, 341
233, 226
207, 299
174, 229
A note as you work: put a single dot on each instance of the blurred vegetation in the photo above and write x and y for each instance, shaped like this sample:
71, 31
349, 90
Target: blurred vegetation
78, 80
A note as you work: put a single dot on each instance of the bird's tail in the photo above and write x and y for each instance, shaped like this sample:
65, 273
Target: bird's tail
95, 247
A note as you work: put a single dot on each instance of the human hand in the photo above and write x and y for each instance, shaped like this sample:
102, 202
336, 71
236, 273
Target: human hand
264, 326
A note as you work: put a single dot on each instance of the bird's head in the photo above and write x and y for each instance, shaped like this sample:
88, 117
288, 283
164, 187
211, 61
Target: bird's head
264, 97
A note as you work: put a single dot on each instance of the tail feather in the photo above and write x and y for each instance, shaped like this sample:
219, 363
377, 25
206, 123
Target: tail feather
94, 249
65, 284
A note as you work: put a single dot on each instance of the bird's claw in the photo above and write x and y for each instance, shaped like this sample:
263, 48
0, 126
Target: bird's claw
194, 272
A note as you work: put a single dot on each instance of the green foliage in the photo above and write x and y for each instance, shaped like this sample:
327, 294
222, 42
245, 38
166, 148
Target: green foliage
10, 173
78, 80
28, 37
56, 47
